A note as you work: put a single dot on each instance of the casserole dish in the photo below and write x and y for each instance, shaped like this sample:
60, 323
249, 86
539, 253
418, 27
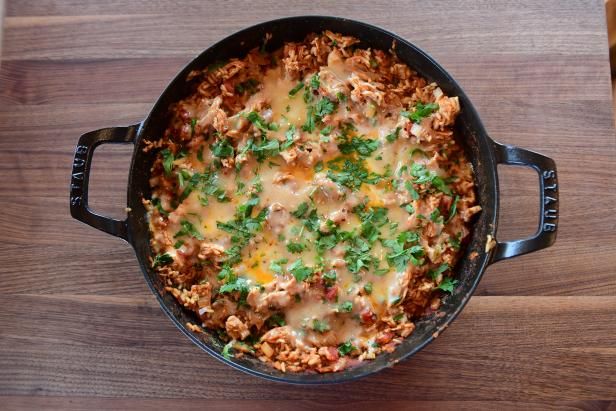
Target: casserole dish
483, 153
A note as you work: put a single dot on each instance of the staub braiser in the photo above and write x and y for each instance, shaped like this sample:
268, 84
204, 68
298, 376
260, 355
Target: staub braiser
484, 154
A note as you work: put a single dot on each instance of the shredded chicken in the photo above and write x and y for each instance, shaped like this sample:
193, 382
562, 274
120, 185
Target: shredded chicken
309, 205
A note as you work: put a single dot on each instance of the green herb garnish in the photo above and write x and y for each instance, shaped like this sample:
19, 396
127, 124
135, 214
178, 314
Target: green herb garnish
222, 149
421, 111
161, 259
424, 176
346, 348
300, 271
188, 229
315, 82
260, 123
393, 136
168, 159
320, 326
447, 285
351, 174
345, 307
276, 265
296, 89
227, 350
452, 210
296, 248
363, 146
329, 278
404, 250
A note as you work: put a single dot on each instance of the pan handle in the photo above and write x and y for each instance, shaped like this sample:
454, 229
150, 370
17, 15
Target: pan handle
548, 202
81, 175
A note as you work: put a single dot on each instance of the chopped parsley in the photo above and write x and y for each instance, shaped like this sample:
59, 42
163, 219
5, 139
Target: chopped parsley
421, 111
327, 241
316, 113
454, 242
320, 326
222, 149
346, 348
315, 81
312, 221
264, 148
437, 271
351, 174
206, 182
418, 151
260, 123
276, 265
362, 146
393, 136
329, 278
300, 271
244, 226
156, 203
368, 288
309, 125
424, 176
296, 89
357, 255
452, 210
301, 210
448, 285
239, 284
323, 108
168, 159
371, 220
404, 250
227, 350
188, 229
345, 307
182, 175
327, 130
161, 259
296, 248
193, 123
435, 216
409, 187
290, 138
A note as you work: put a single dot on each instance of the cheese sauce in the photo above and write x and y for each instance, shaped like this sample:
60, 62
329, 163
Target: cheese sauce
311, 204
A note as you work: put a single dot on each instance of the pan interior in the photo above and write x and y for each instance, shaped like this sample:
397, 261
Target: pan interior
469, 130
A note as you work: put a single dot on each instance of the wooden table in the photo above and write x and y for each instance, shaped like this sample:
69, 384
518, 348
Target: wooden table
78, 326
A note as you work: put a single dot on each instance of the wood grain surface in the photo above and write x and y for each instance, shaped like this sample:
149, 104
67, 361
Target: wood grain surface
78, 326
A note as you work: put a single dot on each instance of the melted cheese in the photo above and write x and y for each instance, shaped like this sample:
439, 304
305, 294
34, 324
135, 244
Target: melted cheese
290, 185
286, 109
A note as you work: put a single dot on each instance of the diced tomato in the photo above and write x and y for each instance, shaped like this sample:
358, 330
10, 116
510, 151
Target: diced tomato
367, 316
331, 293
332, 354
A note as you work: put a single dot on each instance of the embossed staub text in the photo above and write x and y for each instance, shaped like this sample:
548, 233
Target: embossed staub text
550, 199
77, 176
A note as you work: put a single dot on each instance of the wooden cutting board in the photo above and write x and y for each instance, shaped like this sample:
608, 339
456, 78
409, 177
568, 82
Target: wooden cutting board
78, 326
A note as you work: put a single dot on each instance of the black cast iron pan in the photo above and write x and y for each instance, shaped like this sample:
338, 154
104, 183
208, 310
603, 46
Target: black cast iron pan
484, 154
